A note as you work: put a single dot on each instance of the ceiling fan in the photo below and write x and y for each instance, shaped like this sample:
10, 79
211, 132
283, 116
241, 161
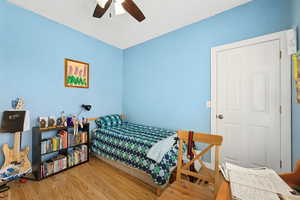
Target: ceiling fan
121, 6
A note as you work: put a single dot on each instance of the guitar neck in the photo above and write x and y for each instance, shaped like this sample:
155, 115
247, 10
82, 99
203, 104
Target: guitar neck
17, 145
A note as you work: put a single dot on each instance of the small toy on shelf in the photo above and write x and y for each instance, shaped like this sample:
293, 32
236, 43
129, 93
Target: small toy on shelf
64, 119
59, 122
76, 123
52, 122
43, 122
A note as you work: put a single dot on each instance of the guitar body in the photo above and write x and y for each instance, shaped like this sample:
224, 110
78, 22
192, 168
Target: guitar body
21, 161
16, 163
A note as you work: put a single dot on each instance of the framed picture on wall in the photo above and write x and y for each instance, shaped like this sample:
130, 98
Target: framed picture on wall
77, 74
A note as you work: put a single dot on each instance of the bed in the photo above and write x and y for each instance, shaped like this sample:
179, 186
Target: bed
126, 145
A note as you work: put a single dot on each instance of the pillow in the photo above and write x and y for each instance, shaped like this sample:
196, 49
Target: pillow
109, 121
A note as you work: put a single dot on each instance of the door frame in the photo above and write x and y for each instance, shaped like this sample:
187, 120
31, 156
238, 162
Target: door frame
285, 91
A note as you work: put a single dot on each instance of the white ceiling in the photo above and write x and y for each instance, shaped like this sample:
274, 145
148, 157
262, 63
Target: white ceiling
162, 16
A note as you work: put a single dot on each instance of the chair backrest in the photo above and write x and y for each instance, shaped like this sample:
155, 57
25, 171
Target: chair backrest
210, 176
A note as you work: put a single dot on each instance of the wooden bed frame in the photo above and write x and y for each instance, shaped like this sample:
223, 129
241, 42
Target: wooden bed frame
134, 172
137, 173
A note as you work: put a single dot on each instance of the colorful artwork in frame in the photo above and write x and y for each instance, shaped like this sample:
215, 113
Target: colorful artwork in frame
76, 74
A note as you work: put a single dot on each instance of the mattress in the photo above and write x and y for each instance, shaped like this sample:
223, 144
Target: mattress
129, 143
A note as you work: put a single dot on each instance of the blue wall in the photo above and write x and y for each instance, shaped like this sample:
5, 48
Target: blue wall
32, 53
296, 107
167, 79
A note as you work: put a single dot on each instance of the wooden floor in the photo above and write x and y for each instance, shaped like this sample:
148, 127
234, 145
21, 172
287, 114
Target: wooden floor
92, 181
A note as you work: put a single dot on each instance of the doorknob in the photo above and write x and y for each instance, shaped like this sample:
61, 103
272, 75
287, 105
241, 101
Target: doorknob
220, 116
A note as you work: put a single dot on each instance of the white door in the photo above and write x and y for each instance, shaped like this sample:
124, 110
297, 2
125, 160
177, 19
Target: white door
248, 104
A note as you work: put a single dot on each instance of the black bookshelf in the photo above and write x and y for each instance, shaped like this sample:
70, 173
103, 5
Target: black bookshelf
37, 136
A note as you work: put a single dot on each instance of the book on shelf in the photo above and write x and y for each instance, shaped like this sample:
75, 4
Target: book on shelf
53, 165
55, 143
77, 155
76, 139
61, 162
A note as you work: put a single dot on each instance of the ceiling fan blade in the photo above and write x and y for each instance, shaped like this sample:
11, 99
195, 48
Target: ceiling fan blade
99, 11
133, 10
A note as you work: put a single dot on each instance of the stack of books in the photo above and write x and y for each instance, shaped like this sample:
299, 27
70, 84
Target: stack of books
76, 139
78, 155
54, 165
55, 143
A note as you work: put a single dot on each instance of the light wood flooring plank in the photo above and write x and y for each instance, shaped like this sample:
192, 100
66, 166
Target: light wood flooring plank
95, 180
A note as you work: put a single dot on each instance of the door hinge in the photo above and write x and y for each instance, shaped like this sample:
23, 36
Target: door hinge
280, 164
280, 109
280, 54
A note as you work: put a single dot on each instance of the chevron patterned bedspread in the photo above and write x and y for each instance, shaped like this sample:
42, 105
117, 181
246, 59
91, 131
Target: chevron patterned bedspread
129, 143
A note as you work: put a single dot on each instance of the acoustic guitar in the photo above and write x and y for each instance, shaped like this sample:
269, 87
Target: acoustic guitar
16, 162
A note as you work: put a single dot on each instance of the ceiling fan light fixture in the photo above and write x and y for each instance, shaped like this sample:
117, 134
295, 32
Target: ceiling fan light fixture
119, 10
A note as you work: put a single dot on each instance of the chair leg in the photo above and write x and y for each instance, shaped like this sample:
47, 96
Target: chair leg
217, 172
158, 191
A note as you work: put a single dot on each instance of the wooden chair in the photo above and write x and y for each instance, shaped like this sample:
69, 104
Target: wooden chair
206, 186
